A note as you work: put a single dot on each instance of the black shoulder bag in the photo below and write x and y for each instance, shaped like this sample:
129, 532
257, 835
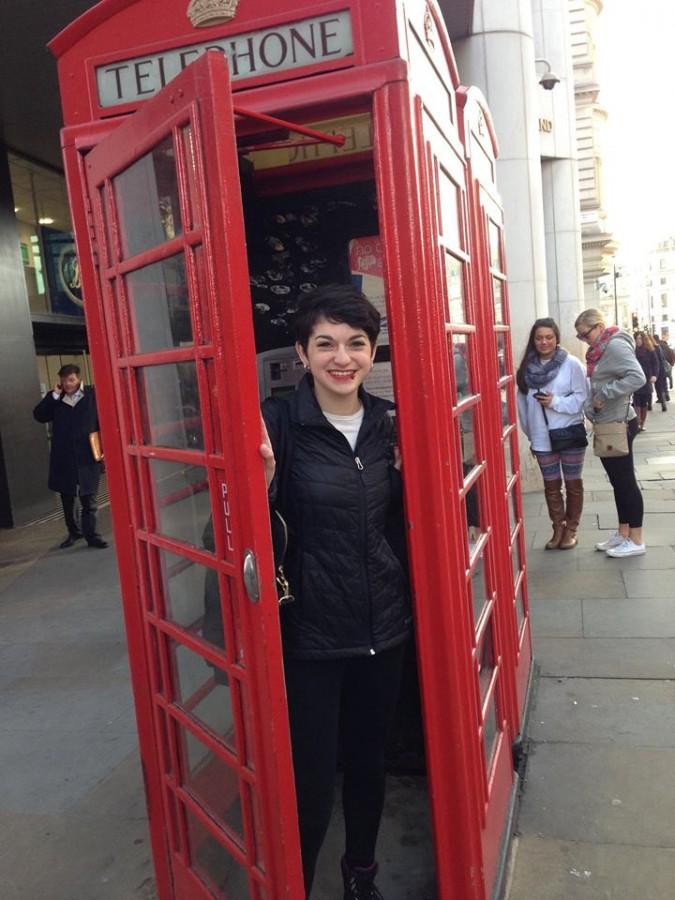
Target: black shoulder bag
571, 437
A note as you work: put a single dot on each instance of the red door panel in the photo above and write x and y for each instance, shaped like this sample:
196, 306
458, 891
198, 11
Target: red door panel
175, 321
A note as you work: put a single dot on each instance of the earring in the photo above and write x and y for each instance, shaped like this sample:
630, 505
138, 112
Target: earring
305, 367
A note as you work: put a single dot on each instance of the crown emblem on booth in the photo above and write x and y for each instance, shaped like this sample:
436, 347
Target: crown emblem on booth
203, 13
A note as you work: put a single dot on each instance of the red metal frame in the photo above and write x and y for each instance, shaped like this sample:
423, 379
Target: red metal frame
213, 129
455, 650
478, 132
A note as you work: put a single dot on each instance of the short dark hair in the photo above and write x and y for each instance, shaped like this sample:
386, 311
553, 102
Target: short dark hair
70, 369
337, 303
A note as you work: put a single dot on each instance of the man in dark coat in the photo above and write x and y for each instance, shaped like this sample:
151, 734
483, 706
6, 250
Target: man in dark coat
73, 470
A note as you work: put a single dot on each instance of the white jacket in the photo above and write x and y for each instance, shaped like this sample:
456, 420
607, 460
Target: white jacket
569, 389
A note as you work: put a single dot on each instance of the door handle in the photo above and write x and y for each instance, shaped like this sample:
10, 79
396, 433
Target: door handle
250, 572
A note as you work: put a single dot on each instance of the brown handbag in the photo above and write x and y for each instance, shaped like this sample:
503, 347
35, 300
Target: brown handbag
610, 439
95, 444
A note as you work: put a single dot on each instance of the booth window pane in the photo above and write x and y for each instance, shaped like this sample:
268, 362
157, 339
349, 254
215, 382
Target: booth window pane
454, 285
515, 561
181, 494
495, 248
501, 353
468, 438
158, 296
450, 206
498, 300
513, 514
224, 877
212, 782
490, 730
202, 690
460, 358
520, 608
505, 412
508, 459
194, 197
147, 200
473, 509
486, 661
169, 398
479, 589
192, 597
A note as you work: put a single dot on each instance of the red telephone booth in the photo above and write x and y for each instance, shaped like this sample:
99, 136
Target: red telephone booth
336, 136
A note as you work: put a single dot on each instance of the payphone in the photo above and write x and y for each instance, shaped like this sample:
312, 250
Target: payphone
206, 196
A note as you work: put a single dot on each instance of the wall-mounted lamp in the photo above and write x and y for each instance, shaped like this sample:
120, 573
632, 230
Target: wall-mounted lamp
548, 79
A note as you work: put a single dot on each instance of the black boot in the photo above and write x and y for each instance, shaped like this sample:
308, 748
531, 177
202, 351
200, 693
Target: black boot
70, 540
360, 883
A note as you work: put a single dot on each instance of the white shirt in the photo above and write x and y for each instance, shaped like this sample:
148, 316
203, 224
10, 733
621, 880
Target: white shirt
70, 399
347, 425
569, 389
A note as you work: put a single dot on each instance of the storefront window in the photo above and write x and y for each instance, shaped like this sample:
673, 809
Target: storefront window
50, 264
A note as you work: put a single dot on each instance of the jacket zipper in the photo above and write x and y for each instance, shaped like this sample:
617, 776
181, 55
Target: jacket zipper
364, 530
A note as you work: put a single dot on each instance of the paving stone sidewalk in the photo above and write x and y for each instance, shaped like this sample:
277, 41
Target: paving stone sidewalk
597, 812
72, 810
596, 818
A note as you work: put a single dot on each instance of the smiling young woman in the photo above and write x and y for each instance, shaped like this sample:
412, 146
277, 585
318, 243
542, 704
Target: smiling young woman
332, 470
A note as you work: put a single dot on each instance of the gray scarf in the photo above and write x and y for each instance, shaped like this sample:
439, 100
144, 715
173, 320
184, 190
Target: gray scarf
537, 374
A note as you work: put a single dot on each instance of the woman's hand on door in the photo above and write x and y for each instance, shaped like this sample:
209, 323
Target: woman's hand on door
267, 453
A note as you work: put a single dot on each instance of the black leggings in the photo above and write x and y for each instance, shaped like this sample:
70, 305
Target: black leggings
627, 493
350, 703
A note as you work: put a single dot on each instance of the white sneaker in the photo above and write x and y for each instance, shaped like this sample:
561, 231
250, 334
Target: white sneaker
627, 548
612, 541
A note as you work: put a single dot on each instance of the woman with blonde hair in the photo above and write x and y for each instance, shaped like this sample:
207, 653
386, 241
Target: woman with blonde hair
615, 373
551, 396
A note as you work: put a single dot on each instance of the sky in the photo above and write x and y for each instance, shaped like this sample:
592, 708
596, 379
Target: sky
635, 45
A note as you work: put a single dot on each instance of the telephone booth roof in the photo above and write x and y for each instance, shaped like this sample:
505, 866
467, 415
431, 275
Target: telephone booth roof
121, 52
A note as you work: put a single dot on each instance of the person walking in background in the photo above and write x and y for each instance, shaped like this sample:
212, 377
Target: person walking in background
661, 383
669, 357
551, 395
615, 373
646, 356
73, 469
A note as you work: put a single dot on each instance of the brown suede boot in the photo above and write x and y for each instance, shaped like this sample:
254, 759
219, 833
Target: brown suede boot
556, 510
575, 504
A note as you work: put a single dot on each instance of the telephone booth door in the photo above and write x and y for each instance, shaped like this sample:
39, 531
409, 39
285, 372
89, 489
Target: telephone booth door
174, 315
488, 229
445, 407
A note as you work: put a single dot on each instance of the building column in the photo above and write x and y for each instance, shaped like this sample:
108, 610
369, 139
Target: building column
564, 260
23, 442
498, 56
